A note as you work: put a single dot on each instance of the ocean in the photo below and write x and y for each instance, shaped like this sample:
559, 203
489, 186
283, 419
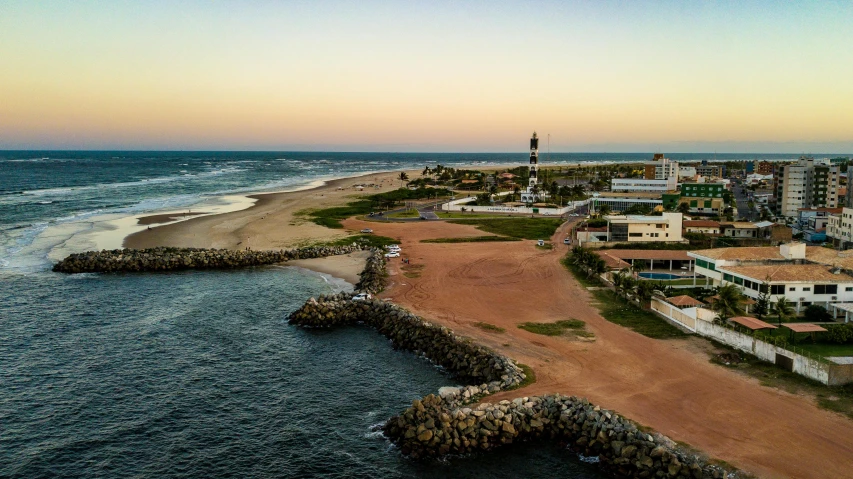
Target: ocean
198, 374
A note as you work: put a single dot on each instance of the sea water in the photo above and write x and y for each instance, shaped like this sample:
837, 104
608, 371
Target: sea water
198, 374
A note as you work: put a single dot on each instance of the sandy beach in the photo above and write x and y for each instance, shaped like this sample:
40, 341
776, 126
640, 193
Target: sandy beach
669, 386
271, 223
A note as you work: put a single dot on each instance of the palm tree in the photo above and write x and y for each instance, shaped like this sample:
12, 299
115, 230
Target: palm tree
783, 309
684, 208
603, 210
729, 303
426, 171
645, 289
403, 177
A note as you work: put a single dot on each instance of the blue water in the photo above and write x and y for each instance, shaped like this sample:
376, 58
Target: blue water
195, 374
50, 199
662, 276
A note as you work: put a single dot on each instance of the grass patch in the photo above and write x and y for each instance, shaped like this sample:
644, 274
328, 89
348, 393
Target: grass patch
412, 270
331, 217
833, 398
545, 246
553, 329
489, 327
530, 376
413, 213
471, 239
527, 228
617, 310
375, 241
579, 274
459, 215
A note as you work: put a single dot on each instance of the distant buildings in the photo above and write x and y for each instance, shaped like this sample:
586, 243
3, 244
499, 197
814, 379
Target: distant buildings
659, 175
701, 198
808, 183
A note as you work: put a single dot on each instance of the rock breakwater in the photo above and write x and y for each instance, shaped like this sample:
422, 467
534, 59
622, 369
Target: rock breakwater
444, 424
175, 259
436, 426
459, 356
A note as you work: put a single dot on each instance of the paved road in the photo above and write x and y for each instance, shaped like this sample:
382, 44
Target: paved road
742, 200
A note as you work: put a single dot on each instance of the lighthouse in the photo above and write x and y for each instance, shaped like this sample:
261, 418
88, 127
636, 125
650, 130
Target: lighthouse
532, 194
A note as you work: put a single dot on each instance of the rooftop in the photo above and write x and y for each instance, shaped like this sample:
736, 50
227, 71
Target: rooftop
789, 272
804, 327
684, 300
662, 254
638, 219
751, 323
701, 223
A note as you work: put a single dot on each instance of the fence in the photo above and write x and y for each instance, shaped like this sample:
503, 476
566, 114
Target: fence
459, 205
775, 351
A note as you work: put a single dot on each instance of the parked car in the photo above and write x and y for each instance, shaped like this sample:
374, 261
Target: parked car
362, 297
567, 241
540, 242
393, 254
367, 230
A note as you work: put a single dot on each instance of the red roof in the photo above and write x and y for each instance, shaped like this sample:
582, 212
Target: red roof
752, 323
684, 300
804, 327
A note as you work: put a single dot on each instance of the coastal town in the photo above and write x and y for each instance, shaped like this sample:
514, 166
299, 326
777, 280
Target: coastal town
682, 302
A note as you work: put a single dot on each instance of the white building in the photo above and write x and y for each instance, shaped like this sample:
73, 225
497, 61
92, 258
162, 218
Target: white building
804, 275
839, 229
808, 183
634, 228
640, 185
686, 171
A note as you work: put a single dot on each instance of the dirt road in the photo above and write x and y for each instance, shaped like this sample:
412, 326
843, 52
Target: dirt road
668, 385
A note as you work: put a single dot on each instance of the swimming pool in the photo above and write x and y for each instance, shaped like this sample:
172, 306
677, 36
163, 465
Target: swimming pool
662, 276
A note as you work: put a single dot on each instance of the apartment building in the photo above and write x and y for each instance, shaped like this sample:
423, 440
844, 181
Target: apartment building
808, 183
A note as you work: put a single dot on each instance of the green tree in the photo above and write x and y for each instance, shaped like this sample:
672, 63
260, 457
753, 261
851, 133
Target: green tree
762, 304
684, 208
403, 177
783, 309
729, 302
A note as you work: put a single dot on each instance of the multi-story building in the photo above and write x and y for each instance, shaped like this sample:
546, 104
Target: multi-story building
763, 168
631, 228
804, 275
660, 168
839, 229
639, 185
808, 183
711, 171
701, 198
619, 202
659, 175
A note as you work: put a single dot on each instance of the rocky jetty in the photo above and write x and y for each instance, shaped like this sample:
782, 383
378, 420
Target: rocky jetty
436, 426
174, 259
459, 356
444, 424
373, 277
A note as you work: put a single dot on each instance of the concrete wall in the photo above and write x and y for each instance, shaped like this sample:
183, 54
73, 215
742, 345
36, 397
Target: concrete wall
458, 205
700, 321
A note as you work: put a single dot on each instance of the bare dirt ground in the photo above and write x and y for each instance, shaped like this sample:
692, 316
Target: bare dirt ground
668, 385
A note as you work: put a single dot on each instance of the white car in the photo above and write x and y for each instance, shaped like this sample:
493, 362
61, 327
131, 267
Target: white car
540, 242
367, 230
393, 254
567, 241
362, 297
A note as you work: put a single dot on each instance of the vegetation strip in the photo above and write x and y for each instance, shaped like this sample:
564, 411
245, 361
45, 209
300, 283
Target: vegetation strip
471, 239
526, 228
553, 329
331, 217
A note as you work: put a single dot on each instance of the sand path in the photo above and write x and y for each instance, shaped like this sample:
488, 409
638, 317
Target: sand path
668, 385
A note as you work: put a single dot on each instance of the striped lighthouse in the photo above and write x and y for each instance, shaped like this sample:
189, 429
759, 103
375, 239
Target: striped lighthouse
531, 195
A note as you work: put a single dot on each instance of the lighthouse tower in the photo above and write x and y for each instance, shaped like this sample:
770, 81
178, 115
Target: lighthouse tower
530, 196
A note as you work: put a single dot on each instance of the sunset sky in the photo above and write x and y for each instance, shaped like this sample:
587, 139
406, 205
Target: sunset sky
680, 76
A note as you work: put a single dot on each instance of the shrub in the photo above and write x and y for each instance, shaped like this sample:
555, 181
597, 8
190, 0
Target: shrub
840, 333
817, 314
